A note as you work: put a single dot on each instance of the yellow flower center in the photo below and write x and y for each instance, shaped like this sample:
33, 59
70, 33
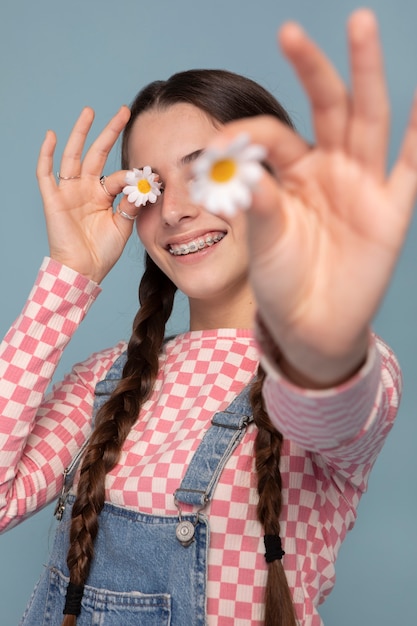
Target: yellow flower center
144, 185
222, 171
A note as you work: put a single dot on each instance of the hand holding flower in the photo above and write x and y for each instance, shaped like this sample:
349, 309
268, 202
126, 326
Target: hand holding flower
84, 232
326, 229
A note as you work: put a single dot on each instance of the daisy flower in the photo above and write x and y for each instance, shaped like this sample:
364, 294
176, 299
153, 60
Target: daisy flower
224, 177
142, 186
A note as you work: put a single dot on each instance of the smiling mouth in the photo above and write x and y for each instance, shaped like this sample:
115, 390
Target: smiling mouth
196, 245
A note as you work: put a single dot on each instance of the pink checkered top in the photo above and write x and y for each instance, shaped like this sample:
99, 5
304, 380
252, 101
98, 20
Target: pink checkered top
332, 438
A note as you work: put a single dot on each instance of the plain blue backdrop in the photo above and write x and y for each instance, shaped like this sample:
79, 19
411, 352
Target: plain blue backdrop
57, 57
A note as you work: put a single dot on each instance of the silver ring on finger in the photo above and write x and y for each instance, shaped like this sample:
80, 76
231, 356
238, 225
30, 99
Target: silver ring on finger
60, 177
103, 184
122, 213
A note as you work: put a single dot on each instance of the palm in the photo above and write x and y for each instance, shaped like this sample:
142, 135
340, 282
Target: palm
80, 219
340, 240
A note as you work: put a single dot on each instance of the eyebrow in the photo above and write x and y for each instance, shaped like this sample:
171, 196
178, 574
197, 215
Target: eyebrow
191, 157
185, 160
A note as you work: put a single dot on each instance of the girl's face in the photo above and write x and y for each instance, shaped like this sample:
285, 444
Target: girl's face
214, 273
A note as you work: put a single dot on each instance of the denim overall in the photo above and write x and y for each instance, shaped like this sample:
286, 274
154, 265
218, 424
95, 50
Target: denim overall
147, 570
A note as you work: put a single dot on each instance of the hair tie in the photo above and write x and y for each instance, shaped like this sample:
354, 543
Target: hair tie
273, 548
73, 599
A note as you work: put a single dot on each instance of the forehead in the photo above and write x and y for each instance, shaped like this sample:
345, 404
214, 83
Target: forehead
169, 134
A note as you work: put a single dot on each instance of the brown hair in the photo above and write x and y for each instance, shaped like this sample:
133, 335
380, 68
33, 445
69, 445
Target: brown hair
224, 96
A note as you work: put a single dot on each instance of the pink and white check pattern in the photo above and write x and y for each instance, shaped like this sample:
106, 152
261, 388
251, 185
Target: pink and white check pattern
331, 441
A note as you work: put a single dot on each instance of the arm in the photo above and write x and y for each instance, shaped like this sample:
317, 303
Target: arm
38, 434
347, 424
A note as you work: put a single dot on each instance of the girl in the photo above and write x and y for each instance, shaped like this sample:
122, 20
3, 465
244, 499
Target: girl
211, 477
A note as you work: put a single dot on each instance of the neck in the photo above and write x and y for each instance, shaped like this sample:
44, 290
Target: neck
238, 312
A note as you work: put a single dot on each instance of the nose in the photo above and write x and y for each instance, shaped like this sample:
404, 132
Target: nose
176, 204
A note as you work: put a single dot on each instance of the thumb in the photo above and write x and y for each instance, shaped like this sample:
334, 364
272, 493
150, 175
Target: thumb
266, 217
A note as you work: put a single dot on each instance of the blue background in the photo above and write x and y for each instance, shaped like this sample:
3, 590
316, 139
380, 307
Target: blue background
57, 57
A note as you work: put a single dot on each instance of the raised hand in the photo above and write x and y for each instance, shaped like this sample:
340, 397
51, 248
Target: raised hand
84, 232
326, 232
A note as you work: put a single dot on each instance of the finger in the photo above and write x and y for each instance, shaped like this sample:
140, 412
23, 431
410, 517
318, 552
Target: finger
402, 183
267, 202
276, 227
369, 126
71, 157
113, 184
96, 156
124, 217
326, 91
44, 170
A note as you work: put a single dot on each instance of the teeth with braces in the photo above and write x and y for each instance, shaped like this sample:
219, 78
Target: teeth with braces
194, 246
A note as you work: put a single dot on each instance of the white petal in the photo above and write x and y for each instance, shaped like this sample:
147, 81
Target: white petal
137, 174
130, 178
201, 165
254, 152
213, 205
238, 144
132, 197
216, 200
227, 206
197, 191
129, 189
250, 173
242, 196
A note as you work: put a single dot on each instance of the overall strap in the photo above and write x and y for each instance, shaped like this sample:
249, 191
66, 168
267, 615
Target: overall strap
197, 487
226, 430
105, 387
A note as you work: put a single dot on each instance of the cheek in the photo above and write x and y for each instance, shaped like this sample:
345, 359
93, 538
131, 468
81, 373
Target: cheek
239, 226
147, 224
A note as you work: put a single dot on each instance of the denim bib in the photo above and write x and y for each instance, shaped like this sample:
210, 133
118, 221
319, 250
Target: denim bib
147, 570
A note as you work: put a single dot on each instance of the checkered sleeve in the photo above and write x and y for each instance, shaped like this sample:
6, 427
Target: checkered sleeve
39, 433
344, 427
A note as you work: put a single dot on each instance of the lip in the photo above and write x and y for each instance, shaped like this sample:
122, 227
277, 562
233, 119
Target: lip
186, 238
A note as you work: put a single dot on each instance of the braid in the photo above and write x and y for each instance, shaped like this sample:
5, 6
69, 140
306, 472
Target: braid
113, 423
279, 609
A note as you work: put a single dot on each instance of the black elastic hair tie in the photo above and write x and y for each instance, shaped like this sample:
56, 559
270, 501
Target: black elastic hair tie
273, 548
73, 599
